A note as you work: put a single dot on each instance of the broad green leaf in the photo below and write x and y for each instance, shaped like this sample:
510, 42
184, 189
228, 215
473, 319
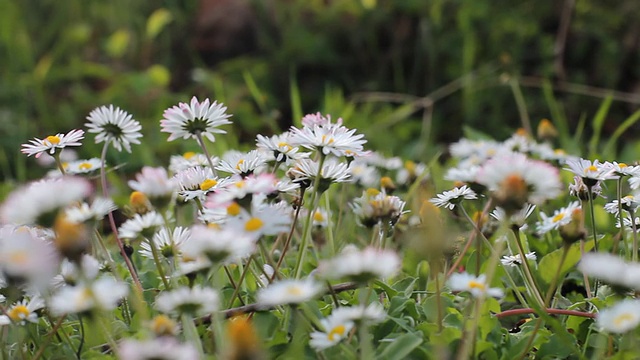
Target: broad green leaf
401, 346
548, 266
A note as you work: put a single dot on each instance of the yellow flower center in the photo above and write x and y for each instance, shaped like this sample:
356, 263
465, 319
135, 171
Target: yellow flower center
253, 224
324, 140
240, 184
386, 182
338, 330
19, 257
622, 165
188, 155
476, 285
317, 216
163, 325
233, 209
85, 166
208, 184
213, 226
137, 199
590, 169
410, 166
558, 217
53, 140
294, 290
371, 192
622, 319
18, 313
284, 145
240, 162
559, 151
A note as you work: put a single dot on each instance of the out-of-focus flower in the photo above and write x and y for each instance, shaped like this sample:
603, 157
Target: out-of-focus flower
84, 166
52, 143
188, 160
285, 292
620, 318
477, 286
375, 206
335, 329
611, 269
515, 260
22, 312
169, 244
155, 183
141, 226
361, 265
102, 294
114, 126
195, 301
84, 212
161, 348
451, 198
219, 246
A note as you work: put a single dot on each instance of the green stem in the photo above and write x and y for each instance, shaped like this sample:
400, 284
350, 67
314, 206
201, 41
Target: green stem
205, 151
527, 270
634, 255
242, 276
156, 260
287, 243
191, 333
593, 220
620, 238
56, 156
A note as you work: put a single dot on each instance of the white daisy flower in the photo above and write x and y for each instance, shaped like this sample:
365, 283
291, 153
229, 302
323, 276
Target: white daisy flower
462, 173
580, 190
364, 174
84, 166
83, 212
481, 149
333, 171
192, 266
160, 348
279, 148
628, 202
115, 126
141, 225
320, 217
71, 274
103, 294
188, 160
590, 172
51, 143
372, 314
66, 156
611, 269
154, 182
515, 260
22, 312
197, 182
518, 218
168, 244
26, 257
188, 120
244, 164
334, 331
38, 202
238, 188
264, 219
265, 278
361, 265
317, 119
515, 180
219, 246
629, 224
195, 301
477, 286
622, 169
560, 218
451, 198
375, 206
290, 291
410, 172
624, 316
328, 138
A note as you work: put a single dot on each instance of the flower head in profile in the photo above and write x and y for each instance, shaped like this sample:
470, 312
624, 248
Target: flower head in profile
52, 143
335, 329
195, 119
102, 294
591, 172
319, 133
115, 126
160, 348
83, 166
219, 246
243, 164
141, 226
515, 260
611, 269
361, 265
376, 206
169, 244
285, 292
305, 172
477, 286
620, 318
194, 301
279, 149
559, 218
22, 312
451, 198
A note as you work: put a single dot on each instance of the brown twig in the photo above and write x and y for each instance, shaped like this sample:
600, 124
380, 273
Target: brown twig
526, 311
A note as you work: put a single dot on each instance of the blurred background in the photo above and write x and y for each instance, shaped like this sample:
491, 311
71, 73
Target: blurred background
412, 75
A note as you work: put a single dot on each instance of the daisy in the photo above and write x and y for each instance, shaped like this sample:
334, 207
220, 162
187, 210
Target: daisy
219, 246
580, 190
66, 156
85, 166
263, 219
197, 182
334, 331
363, 173
141, 226
518, 218
410, 172
590, 172
515, 260
477, 286
114, 126
195, 119
610, 269
243, 164
195, 301
290, 291
375, 206
622, 169
450, 199
51, 143
27, 257
620, 318
465, 174
305, 171
83, 212
628, 203
372, 314
38, 202
102, 294
361, 265
279, 148
328, 138
238, 189
267, 273
154, 182
22, 312
515, 180
160, 348
190, 159
71, 273
162, 325
317, 119
168, 244
560, 218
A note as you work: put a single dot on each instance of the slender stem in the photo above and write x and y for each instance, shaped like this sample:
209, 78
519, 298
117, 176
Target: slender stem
156, 259
112, 222
439, 308
191, 333
329, 228
593, 219
205, 151
56, 156
48, 337
585, 278
634, 255
525, 311
478, 233
527, 270
620, 238
233, 283
242, 276
366, 346
554, 282
79, 352
289, 237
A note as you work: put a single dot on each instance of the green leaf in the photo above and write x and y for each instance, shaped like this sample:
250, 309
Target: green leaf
613, 140
117, 43
296, 102
157, 21
549, 264
401, 347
